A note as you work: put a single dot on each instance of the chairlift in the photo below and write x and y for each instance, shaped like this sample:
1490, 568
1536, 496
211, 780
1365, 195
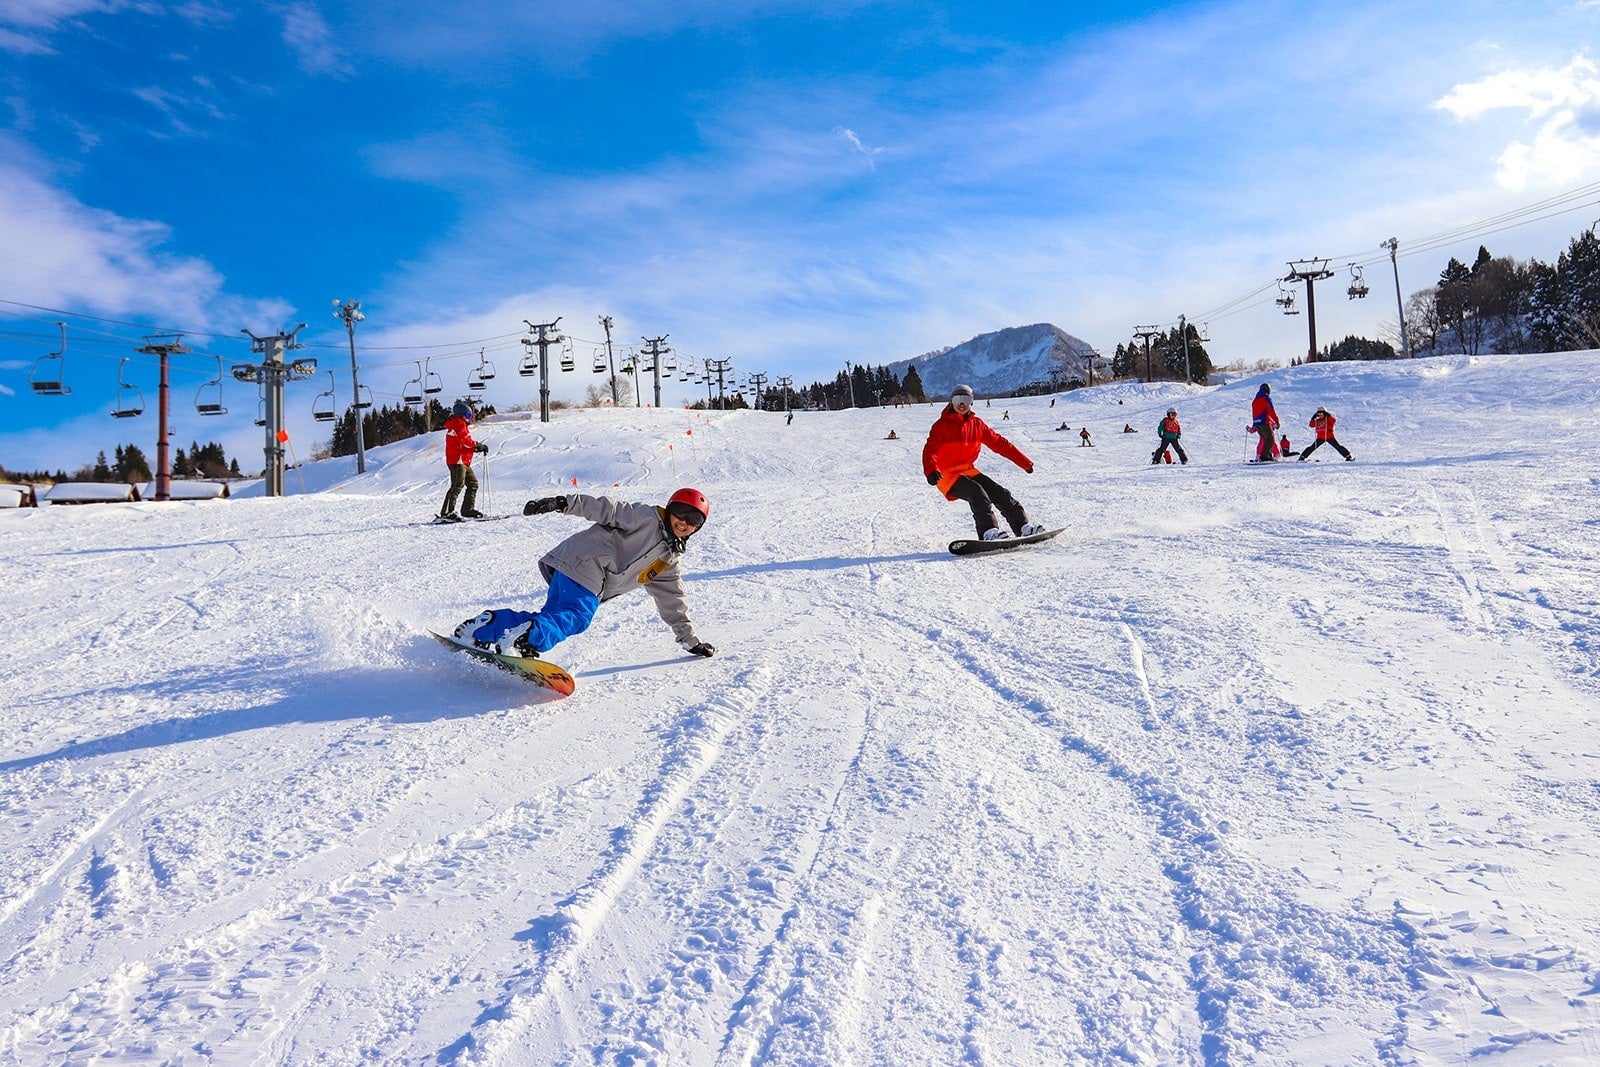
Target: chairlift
600, 366
1286, 300
1358, 284
411, 392
568, 362
529, 366
431, 382
48, 377
485, 368
475, 380
208, 398
367, 395
323, 408
130, 398
261, 411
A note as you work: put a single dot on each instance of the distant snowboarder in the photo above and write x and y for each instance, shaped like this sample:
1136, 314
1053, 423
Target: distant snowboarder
948, 459
459, 448
1170, 431
630, 546
1085, 442
1323, 422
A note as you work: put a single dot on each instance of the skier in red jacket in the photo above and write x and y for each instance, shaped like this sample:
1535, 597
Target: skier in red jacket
1264, 423
459, 448
948, 461
1323, 422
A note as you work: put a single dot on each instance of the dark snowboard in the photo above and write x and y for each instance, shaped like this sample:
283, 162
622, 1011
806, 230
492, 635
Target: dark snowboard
972, 547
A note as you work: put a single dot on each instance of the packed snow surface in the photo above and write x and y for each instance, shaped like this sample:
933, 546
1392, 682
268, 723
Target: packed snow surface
1276, 764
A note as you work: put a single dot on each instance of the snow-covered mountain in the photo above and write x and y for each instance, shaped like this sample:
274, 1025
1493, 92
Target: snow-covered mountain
1006, 360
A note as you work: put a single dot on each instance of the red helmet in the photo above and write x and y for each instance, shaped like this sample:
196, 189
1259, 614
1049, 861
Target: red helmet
693, 500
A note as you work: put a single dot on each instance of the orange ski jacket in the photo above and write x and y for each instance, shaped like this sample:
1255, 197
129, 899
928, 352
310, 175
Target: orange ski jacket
953, 445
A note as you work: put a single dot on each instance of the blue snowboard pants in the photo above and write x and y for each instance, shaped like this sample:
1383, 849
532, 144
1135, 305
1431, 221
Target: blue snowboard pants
568, 609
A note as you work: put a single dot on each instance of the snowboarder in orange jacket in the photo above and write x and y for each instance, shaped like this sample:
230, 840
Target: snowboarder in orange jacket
949, 458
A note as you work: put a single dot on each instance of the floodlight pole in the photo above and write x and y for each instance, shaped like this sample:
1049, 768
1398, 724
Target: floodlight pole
1400, 308
350, 312
616, 400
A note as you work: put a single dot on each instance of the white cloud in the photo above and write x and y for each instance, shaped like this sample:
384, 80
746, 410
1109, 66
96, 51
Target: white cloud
1566, 104
308, 35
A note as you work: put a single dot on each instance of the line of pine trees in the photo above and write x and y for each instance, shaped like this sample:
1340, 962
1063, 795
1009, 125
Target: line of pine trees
130, 464
386, 425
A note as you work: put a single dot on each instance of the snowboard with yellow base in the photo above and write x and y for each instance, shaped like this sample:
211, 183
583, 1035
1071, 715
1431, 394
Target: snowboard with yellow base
541, 672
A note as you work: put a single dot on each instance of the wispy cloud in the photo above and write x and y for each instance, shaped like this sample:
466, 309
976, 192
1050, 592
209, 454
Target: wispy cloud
1565, 102
308, 35
851, 138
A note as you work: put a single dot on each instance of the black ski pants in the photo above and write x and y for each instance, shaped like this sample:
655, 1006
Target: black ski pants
984, 495
1182, 456
1334, 441
460, 475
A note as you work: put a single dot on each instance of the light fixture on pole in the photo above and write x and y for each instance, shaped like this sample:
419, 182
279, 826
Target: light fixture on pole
350, 312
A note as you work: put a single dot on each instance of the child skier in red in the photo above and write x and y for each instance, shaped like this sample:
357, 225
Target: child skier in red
459, 448
1323, 422
948, 462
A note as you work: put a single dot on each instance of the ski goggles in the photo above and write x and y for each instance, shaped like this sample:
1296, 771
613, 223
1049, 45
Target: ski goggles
685, 514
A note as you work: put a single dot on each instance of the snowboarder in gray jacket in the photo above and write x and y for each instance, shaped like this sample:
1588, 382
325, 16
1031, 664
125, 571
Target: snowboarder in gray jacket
628, 547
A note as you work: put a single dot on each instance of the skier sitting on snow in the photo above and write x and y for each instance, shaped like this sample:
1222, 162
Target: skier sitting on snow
947, 459
459, 448
629, 546
1264, 422
1322, 422
1170, 431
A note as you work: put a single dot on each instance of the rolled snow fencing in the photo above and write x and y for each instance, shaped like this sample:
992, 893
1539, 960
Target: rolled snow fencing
91, 493
186, 490
15, 495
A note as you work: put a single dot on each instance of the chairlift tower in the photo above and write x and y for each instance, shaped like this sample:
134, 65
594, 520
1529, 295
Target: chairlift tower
720, 367
350, 312
164, 348
271, 374
1146, 332
756, 382
547, 337
1309, 271
655, 349
785, 383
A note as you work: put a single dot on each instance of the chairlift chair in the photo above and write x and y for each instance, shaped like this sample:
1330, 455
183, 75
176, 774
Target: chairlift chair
1358, 284
485, 368
475, 380
1286, 300
208, 398
411, 392
431, 382
261, 411
364, 398
48, 377
130, 398
529, 366
324, 406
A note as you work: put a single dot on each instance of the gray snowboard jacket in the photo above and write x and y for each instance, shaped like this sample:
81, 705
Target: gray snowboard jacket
625, 549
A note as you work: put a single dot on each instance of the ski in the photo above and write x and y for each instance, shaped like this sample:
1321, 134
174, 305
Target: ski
972, 547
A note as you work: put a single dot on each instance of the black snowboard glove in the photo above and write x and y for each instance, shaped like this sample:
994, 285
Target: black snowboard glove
933, 477
482, 449
702, 649
545, 504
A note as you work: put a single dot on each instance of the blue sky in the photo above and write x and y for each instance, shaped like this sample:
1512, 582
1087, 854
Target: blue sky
788, 185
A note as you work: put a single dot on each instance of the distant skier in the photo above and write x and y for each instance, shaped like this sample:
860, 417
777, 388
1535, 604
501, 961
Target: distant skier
948, 461
892, 436
1322, 422
1285, 448
630, 546
1170, 431
1264, 423
459, 448
1085, 442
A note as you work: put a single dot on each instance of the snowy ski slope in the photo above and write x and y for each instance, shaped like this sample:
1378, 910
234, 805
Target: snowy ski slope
1270, 765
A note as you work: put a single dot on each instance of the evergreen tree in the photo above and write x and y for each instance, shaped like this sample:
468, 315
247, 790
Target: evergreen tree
102, 471
912, 386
